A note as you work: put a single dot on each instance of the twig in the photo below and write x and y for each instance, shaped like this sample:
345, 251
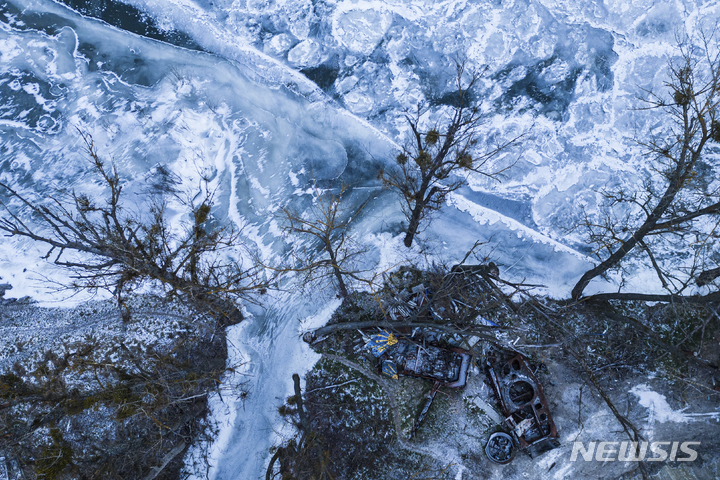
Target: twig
330, 386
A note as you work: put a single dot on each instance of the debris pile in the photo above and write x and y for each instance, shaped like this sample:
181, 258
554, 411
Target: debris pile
419, 352
448, 366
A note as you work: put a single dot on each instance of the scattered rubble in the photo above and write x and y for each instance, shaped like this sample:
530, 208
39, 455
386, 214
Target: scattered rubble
518, 392
446, 367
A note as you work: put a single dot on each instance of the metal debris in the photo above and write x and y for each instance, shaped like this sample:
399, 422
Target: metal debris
449, 366
426, 407
500, 448
446, 367
522, 401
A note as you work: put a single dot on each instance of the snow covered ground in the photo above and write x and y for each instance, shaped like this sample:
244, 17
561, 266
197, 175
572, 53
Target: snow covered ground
287, 91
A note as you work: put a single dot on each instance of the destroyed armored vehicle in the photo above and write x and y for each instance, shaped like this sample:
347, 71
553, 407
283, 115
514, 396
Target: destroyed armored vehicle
519, 393
522, 402
447, 366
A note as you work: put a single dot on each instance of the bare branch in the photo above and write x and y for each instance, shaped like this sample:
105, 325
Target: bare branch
117, 250
334, 253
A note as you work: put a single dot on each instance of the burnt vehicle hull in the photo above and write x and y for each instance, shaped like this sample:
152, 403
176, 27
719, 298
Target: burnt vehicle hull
522, 401
448, 366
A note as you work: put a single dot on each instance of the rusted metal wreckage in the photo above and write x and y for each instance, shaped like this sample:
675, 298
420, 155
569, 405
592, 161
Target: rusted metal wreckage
446, 367
519, 393
417, 352
522, 402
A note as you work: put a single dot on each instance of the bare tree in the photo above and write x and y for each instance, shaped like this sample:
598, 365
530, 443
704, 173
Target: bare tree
436, 162
679, 203
306, 455
335, 254
117, 250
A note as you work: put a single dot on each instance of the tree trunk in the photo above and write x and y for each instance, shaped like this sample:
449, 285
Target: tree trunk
707, 276
336, 269
649, 297
341, 282
155, 471
304, 421
414, 224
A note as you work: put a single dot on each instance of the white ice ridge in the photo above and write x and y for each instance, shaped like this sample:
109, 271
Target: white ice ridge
484, 215
660, 411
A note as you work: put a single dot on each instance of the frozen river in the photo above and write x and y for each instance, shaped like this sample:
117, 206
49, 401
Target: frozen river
263, 97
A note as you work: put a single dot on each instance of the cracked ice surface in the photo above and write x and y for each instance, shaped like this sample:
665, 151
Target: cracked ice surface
285, 91
570, 69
